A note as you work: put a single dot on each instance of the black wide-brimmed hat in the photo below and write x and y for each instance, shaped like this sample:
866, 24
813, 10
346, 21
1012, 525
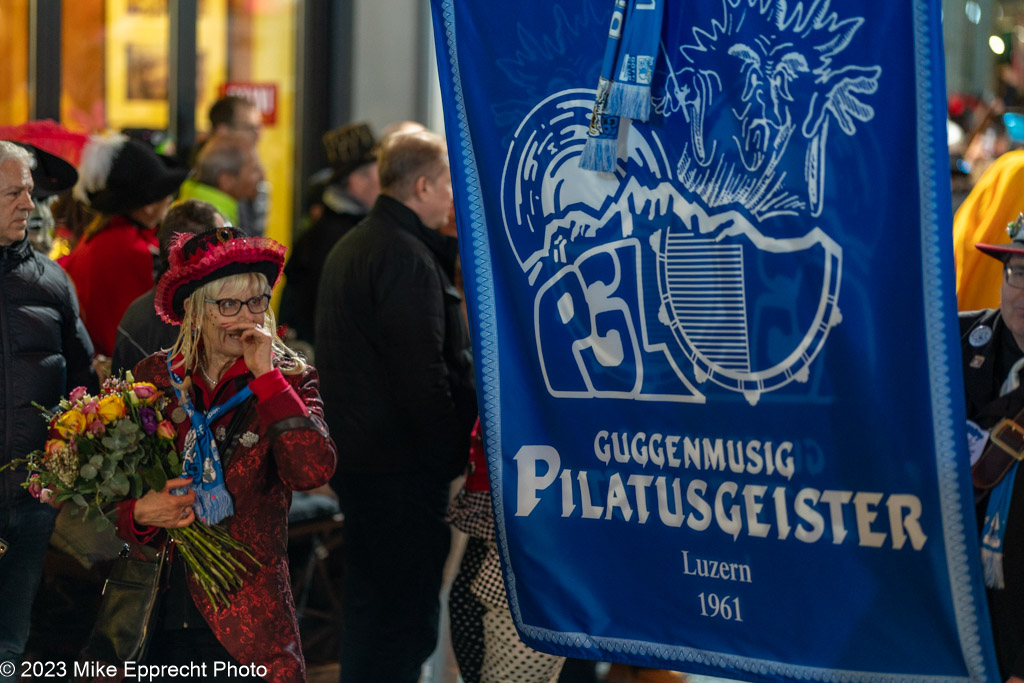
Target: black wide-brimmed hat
1015, 247
118, 175
50, 174
349, 147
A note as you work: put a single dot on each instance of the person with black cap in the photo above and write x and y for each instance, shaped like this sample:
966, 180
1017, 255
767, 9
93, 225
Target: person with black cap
44, 353
131, 187
992, 342
347, 198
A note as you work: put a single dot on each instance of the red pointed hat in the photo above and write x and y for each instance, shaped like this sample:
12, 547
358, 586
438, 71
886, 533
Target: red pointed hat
196, 260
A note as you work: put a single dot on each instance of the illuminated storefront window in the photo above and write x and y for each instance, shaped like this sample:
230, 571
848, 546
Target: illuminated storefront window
115, 74
14, 74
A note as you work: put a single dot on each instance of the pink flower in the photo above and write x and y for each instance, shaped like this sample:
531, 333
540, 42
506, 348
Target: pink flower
45, 495
96, 427
77, 393
166, 430
35, 487
91, 407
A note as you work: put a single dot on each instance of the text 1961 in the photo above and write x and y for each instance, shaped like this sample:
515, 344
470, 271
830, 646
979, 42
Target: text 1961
727, 607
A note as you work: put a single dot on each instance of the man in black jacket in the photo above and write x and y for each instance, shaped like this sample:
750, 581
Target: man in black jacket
397, 378
347, 198
44, 353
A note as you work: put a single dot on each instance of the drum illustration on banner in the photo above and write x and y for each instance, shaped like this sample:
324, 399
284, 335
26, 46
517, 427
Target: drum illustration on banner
695, 221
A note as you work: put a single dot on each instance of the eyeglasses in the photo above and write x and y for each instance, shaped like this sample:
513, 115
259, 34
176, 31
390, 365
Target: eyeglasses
1014, 276
257, 304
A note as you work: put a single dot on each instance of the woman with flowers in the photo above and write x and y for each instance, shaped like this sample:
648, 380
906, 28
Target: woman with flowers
249, 426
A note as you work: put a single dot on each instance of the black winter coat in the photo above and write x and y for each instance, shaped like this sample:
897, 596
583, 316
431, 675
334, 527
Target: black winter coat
44, 353
393, 349
989, 352
304, 267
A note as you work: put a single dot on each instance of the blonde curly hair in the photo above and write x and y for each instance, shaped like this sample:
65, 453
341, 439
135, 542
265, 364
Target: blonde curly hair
190, 337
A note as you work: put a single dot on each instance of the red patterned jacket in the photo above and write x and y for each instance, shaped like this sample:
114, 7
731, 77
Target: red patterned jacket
293, 452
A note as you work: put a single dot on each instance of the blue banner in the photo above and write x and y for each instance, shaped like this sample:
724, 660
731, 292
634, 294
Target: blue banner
720, 385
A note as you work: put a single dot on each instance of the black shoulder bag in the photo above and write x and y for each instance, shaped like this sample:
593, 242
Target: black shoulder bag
128, 610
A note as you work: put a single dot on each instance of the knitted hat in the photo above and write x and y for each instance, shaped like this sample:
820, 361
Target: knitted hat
349, 147
196, 260
118, 175
1003, 252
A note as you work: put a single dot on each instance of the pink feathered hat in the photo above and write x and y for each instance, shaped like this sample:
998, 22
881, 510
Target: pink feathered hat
196, 260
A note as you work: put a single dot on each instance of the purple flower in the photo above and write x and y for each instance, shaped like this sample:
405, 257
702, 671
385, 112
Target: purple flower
148, 417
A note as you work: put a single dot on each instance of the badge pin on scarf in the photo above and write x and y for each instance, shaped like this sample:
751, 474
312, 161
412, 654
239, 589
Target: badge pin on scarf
624, 88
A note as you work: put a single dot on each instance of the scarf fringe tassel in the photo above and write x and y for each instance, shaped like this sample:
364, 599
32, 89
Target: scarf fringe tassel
630, 101
992, 565
599, 154
213, 504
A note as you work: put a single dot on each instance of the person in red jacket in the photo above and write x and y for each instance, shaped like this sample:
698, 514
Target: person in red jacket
250, 431
131, 186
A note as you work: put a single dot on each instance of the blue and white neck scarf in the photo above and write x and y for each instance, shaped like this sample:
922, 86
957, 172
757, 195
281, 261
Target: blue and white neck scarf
200, 459
998, 509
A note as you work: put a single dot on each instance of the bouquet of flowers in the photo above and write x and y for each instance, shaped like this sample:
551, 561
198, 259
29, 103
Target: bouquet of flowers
117, 445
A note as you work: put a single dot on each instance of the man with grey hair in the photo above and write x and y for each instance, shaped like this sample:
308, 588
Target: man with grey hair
44, 353
228, 171
397, 377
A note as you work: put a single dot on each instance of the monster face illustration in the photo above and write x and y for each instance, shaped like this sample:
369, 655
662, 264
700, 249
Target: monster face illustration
773, 97
659, 280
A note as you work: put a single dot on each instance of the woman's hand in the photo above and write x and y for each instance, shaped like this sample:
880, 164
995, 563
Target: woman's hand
164, 509
257, 348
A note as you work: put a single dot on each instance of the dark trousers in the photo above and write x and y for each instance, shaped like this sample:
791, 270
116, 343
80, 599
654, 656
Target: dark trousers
396, 543
26, 526
196, 648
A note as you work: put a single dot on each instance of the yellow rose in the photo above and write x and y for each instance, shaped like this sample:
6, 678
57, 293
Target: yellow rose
71, 423
111, 408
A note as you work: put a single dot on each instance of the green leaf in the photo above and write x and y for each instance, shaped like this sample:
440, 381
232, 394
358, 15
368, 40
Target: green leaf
155, 476
78, 500
120, 484
85, 448
88, 472
96, 461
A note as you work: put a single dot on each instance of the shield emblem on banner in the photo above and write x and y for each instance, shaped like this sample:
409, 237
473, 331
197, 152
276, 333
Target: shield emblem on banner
733, 326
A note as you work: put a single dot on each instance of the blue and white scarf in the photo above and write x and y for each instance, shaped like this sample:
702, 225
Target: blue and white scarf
998, 509
630, 94
200, 459
624, 88
602, 143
